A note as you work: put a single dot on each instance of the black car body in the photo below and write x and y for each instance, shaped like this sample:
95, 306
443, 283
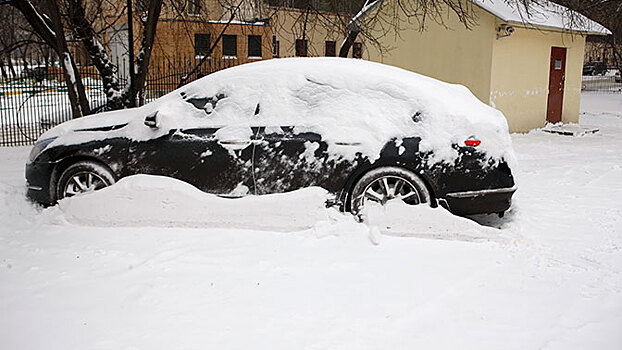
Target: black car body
594, 68
263, 159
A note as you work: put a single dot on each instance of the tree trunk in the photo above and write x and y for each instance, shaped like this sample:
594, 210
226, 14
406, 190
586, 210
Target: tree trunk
348, 42
11, 67
144, 55
77, 96
97, 53
3, 69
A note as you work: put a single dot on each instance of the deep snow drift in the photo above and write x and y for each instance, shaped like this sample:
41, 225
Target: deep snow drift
155, 201
546, 276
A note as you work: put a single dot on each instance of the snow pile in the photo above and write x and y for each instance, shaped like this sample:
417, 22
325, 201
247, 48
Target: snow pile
397, 218
157, 201
15, 212
344, 100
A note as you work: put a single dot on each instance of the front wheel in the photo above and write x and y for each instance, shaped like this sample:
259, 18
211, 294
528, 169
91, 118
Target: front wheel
383, 184
83, 177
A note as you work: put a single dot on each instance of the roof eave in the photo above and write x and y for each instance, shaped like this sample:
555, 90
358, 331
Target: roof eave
556, 28
507, 20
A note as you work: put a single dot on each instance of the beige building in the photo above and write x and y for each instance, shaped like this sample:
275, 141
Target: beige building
526, 64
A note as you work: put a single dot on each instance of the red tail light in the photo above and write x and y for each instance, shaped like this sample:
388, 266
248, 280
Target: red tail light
472, 142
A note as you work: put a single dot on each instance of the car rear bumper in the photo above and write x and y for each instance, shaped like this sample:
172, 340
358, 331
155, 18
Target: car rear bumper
480, 202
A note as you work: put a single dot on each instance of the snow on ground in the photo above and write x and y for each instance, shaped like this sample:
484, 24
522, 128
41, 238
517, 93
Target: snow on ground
546, 276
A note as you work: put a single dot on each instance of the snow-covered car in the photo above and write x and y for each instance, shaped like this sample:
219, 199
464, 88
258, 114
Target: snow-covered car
363, 131
618, 78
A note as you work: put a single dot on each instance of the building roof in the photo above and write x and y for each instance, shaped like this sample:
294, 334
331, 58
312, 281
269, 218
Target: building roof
547, 15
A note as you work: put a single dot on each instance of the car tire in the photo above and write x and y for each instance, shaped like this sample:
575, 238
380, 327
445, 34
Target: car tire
386, 183
83, 177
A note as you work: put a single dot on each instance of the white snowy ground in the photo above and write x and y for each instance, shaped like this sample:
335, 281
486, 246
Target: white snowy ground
192, 274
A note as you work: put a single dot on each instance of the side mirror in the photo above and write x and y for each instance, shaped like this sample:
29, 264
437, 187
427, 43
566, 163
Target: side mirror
152, 120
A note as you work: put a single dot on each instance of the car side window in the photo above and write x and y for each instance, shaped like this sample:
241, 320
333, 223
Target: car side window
206, 104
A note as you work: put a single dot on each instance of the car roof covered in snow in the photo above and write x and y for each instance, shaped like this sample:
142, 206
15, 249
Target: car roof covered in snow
344, 100
547, 15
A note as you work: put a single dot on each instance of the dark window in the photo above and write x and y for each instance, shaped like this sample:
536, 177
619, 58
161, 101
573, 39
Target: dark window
275, 46
254, 46
357, 50
194, 7
330, 49
201, 44
229, 45
303, 4
342, 7
301, 47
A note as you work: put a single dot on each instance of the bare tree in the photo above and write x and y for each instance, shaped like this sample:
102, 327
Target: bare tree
46, 22
118, 96
51, 20
371, 19
374, 19
607, 13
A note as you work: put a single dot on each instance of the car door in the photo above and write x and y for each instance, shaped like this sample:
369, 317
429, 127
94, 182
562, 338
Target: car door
196, 156
214, 158
287, 159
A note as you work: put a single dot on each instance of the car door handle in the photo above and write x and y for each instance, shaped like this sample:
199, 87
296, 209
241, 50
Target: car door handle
234, 142
347, 143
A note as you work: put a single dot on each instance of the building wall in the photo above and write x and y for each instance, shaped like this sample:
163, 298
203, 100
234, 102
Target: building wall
453, 54
175, 38
520, 76
289, 24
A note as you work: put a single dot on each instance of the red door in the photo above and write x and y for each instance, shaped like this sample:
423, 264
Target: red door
557, 77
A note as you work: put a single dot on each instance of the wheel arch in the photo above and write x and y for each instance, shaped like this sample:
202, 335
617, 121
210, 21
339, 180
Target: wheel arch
355, 176
65, 163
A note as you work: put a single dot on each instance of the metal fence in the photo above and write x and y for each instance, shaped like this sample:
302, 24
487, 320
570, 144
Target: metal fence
608, 82
34, 98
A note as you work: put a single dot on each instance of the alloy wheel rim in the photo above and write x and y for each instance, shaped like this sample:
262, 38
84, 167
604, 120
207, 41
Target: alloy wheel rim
83, 182
387, 188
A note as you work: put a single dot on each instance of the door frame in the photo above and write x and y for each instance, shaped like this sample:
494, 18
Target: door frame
554, 103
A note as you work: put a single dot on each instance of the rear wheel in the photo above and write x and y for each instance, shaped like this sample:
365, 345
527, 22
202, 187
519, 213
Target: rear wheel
83, 177
387, 183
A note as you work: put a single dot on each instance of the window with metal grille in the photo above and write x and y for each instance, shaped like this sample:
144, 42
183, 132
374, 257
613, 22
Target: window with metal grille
330, 49
230, 45
201, 44
301, 47
194, 7
254, 46
357, 50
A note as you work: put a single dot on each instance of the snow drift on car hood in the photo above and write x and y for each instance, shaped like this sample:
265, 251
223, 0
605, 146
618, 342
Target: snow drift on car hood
347, 101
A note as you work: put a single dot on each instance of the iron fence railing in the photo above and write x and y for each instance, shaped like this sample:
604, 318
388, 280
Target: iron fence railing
34, 98
608, 82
